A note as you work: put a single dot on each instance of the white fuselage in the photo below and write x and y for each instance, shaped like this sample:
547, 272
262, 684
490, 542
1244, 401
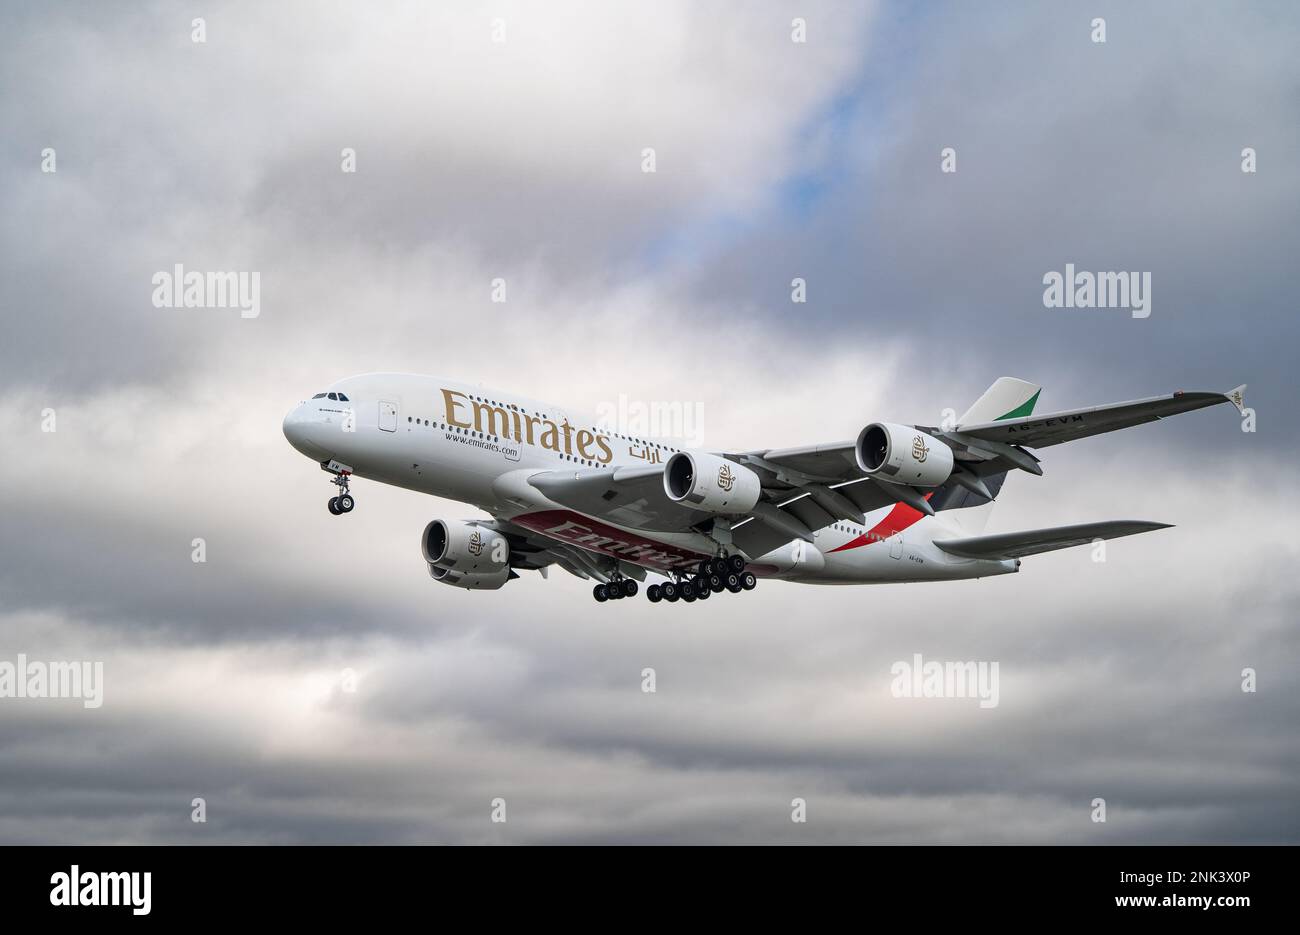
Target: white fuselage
480, 446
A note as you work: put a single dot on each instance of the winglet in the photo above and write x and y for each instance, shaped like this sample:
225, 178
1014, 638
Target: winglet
1238, 398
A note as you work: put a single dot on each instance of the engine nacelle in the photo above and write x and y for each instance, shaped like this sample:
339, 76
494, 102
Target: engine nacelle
709, 483
465, 549
470, 580
903, 455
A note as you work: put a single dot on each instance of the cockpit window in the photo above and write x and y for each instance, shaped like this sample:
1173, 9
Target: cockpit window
343, 399
319, 396
334, 396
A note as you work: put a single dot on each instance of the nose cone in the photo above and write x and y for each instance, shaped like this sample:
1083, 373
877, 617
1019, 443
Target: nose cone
302, 429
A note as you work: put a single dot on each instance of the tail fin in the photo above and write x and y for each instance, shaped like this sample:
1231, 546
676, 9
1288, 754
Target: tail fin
1007, 398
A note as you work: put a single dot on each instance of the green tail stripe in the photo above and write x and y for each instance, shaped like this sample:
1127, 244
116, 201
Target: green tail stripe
1024, 409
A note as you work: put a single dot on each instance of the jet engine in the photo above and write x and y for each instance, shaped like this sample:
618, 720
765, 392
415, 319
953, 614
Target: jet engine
466, 549
903, 455
709, 483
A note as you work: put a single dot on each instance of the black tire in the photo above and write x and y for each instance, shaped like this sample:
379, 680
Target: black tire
688, 596
715, 583
687, 590
600, 593
736, 563
732, 584
748, 581
703, 567
669, 593
346, 503
702, 594
718, 566
653, 595
334, 505
629, 588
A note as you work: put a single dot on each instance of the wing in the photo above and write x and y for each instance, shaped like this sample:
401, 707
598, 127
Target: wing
1033, 541
1053, 428
807, 488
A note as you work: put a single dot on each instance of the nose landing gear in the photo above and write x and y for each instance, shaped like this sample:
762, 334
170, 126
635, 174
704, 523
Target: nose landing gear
343, 503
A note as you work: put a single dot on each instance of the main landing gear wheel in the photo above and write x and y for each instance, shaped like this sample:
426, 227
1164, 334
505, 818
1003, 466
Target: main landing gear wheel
732, 583
334, 505
735, 563
653, 594
668, 591
616, 590
748, 581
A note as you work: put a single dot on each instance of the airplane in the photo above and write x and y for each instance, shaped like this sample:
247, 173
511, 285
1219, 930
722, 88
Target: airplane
898, 503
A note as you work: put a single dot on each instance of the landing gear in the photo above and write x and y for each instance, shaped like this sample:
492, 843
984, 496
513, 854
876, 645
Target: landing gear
616, 589
703, 579
343, 503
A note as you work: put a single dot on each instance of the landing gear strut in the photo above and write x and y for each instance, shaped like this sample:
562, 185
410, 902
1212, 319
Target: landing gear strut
343, 503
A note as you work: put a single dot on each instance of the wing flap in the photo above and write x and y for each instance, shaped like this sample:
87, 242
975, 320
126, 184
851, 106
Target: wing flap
1010, 545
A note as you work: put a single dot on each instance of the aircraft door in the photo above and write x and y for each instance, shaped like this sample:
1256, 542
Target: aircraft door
387, 416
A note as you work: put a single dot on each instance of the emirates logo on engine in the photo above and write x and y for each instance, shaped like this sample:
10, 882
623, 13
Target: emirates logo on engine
726, 478
476, 543
919, 450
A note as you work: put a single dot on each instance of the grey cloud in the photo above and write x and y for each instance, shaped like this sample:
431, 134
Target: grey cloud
1119, 680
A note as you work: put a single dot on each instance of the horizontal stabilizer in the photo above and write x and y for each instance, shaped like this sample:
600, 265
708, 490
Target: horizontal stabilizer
1009, 545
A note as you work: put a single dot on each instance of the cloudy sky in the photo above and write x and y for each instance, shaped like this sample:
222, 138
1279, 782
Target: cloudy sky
522, 160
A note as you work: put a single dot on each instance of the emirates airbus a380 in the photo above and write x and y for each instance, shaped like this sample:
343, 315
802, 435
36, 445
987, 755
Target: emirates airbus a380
897, 503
